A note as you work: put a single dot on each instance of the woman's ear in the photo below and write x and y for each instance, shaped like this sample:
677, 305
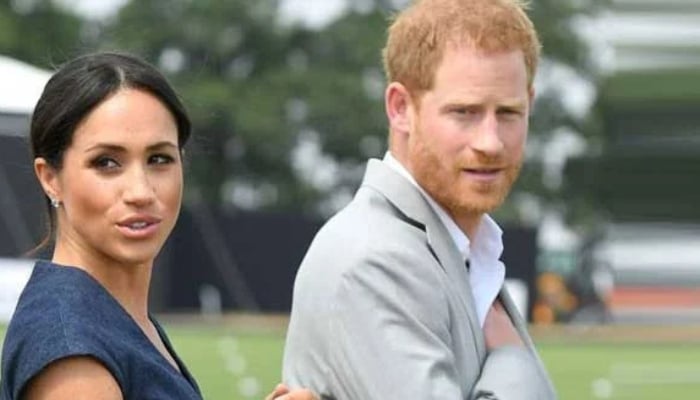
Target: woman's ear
48, 178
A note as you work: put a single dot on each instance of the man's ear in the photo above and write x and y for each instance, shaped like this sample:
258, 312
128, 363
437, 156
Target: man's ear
531, 95
399, 108
48, 178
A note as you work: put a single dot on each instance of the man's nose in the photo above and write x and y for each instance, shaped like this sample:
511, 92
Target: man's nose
486, 138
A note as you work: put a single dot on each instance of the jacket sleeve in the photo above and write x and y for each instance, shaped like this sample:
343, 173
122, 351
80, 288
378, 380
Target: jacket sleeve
383, 330
511, 373
391, 335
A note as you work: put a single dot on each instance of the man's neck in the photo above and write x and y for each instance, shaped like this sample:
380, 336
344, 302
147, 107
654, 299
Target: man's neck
468, 223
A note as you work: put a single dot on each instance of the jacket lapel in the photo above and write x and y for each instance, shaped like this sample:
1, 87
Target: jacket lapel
515, 316
450, 259
521, 327
411, 203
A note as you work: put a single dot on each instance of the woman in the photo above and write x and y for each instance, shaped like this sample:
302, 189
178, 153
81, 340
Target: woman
107, 137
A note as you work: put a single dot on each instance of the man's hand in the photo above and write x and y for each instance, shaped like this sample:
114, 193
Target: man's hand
498, 328
282, 392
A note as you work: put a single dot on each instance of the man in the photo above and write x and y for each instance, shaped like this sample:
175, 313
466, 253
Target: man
401, 293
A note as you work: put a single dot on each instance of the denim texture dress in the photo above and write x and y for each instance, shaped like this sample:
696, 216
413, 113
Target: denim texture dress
64, 312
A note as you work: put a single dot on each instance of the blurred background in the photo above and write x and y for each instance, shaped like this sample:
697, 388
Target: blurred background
602, 230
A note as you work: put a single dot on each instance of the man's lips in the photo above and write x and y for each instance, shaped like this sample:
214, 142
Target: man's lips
484, 174
483, 170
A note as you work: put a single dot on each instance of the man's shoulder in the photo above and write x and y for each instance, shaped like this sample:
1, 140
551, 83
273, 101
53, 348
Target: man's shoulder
368, 227
363, 240
371, 214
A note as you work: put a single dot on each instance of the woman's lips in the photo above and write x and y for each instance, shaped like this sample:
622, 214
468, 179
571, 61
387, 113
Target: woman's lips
139, 228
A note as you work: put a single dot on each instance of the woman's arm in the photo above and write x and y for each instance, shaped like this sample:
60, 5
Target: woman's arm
73, 378
281, 392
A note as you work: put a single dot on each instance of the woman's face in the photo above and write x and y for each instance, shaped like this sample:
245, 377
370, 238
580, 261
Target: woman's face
120, 184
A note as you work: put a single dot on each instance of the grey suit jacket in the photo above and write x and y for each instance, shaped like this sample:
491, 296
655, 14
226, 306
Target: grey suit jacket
383, 309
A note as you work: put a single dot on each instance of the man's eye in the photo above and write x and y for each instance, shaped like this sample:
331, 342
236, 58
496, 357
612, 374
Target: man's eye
462, 110
509, 111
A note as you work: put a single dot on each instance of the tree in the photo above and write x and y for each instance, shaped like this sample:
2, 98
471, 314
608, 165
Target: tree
559, 127
284, 116
40, 32
219, 55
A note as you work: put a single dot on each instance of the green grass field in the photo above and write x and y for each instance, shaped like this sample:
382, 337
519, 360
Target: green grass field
241, 364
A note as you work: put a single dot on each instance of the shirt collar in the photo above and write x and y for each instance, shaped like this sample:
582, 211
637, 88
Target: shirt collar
487, 243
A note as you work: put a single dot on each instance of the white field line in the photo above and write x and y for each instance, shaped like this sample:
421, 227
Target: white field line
655, 373
236, 364
623, 376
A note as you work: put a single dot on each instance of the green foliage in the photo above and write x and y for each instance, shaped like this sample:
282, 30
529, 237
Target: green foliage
254, 87
554, 19
39, 32
258, 91
219, 54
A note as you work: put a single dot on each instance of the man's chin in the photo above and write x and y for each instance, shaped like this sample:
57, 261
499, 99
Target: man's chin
478, 203
476, 209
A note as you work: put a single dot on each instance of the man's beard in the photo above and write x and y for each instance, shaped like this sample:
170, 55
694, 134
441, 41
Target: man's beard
447, 185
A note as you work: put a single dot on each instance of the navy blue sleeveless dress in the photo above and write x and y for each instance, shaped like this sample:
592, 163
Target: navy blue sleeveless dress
64, 312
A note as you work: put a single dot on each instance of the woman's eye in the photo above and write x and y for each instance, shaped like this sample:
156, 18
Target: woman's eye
161, 159
105, 163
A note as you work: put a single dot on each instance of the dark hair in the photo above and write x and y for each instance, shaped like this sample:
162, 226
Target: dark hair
82, 84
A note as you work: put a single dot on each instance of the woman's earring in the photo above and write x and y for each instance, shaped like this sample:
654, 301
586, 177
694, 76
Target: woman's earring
55, 203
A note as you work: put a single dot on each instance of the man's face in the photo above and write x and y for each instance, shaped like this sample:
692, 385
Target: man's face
467, 136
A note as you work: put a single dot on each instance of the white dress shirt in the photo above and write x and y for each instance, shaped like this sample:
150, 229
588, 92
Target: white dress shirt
486, 271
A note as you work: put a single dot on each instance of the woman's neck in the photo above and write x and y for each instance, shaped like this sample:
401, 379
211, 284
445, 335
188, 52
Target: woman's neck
127, 282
